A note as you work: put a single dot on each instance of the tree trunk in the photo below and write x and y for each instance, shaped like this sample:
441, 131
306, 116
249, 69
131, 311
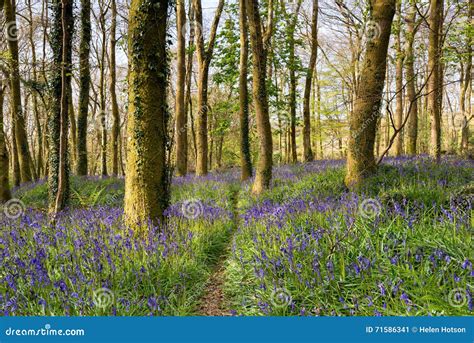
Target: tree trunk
15, 91
260, 42
434, 91
61, 41
307, 152
113, 93
467, 88
204, 59
180, 111
363, 122
73, 131
5, 194
147, 176
292, 19
103, 110
39, 131
412, 128
84, 87
189, 73
245, 155
399, 82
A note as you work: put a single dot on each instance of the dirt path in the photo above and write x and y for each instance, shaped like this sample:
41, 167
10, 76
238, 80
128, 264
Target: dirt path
213, 302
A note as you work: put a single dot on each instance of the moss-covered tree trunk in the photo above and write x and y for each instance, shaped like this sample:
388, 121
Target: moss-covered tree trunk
36, 110
147, 174
102, 90
292, 21
260, 42
363, 121
181, 115
84, 87
73, 126
307, 151
467, 88
61, 44
412, 127
188, 105
204, 56
434, 68
26, 167
399, 81
245, 155
5, 194
113, 92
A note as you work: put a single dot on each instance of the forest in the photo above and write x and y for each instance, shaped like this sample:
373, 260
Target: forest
236, 157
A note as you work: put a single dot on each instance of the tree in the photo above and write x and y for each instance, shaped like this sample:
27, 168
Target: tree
84, 87
434, 82
260, 42
307, 152
147, 176
61, 44
412, 128
180, 113
368, 97
113, 93
102, 90
5, 194
204, 56
399, 81
291, 28
21, 140
245, 155
466, 85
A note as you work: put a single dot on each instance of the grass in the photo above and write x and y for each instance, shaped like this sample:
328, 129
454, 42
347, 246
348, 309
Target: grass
401, 245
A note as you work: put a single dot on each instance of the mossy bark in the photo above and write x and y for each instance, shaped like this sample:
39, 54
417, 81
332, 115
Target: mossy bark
113, 93
307, 151
204, 56
61, 44
245, 155
5, 194
147, 174
467, 90
26, 171
399, 81
260, 43
180, 112
84, 87
434, 82
292, 19
366, 113
412, 125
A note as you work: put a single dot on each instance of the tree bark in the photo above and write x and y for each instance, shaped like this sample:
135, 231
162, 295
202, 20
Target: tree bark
180, 113
204, 55
24, 157
293, 19
61, 43
363, 122
412, 129
84, 87
260, 43
245, 154
5, 194
113, 92
147, 176
102, 90
399, 81
36, 111
467, 88
434, 92
307, 151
